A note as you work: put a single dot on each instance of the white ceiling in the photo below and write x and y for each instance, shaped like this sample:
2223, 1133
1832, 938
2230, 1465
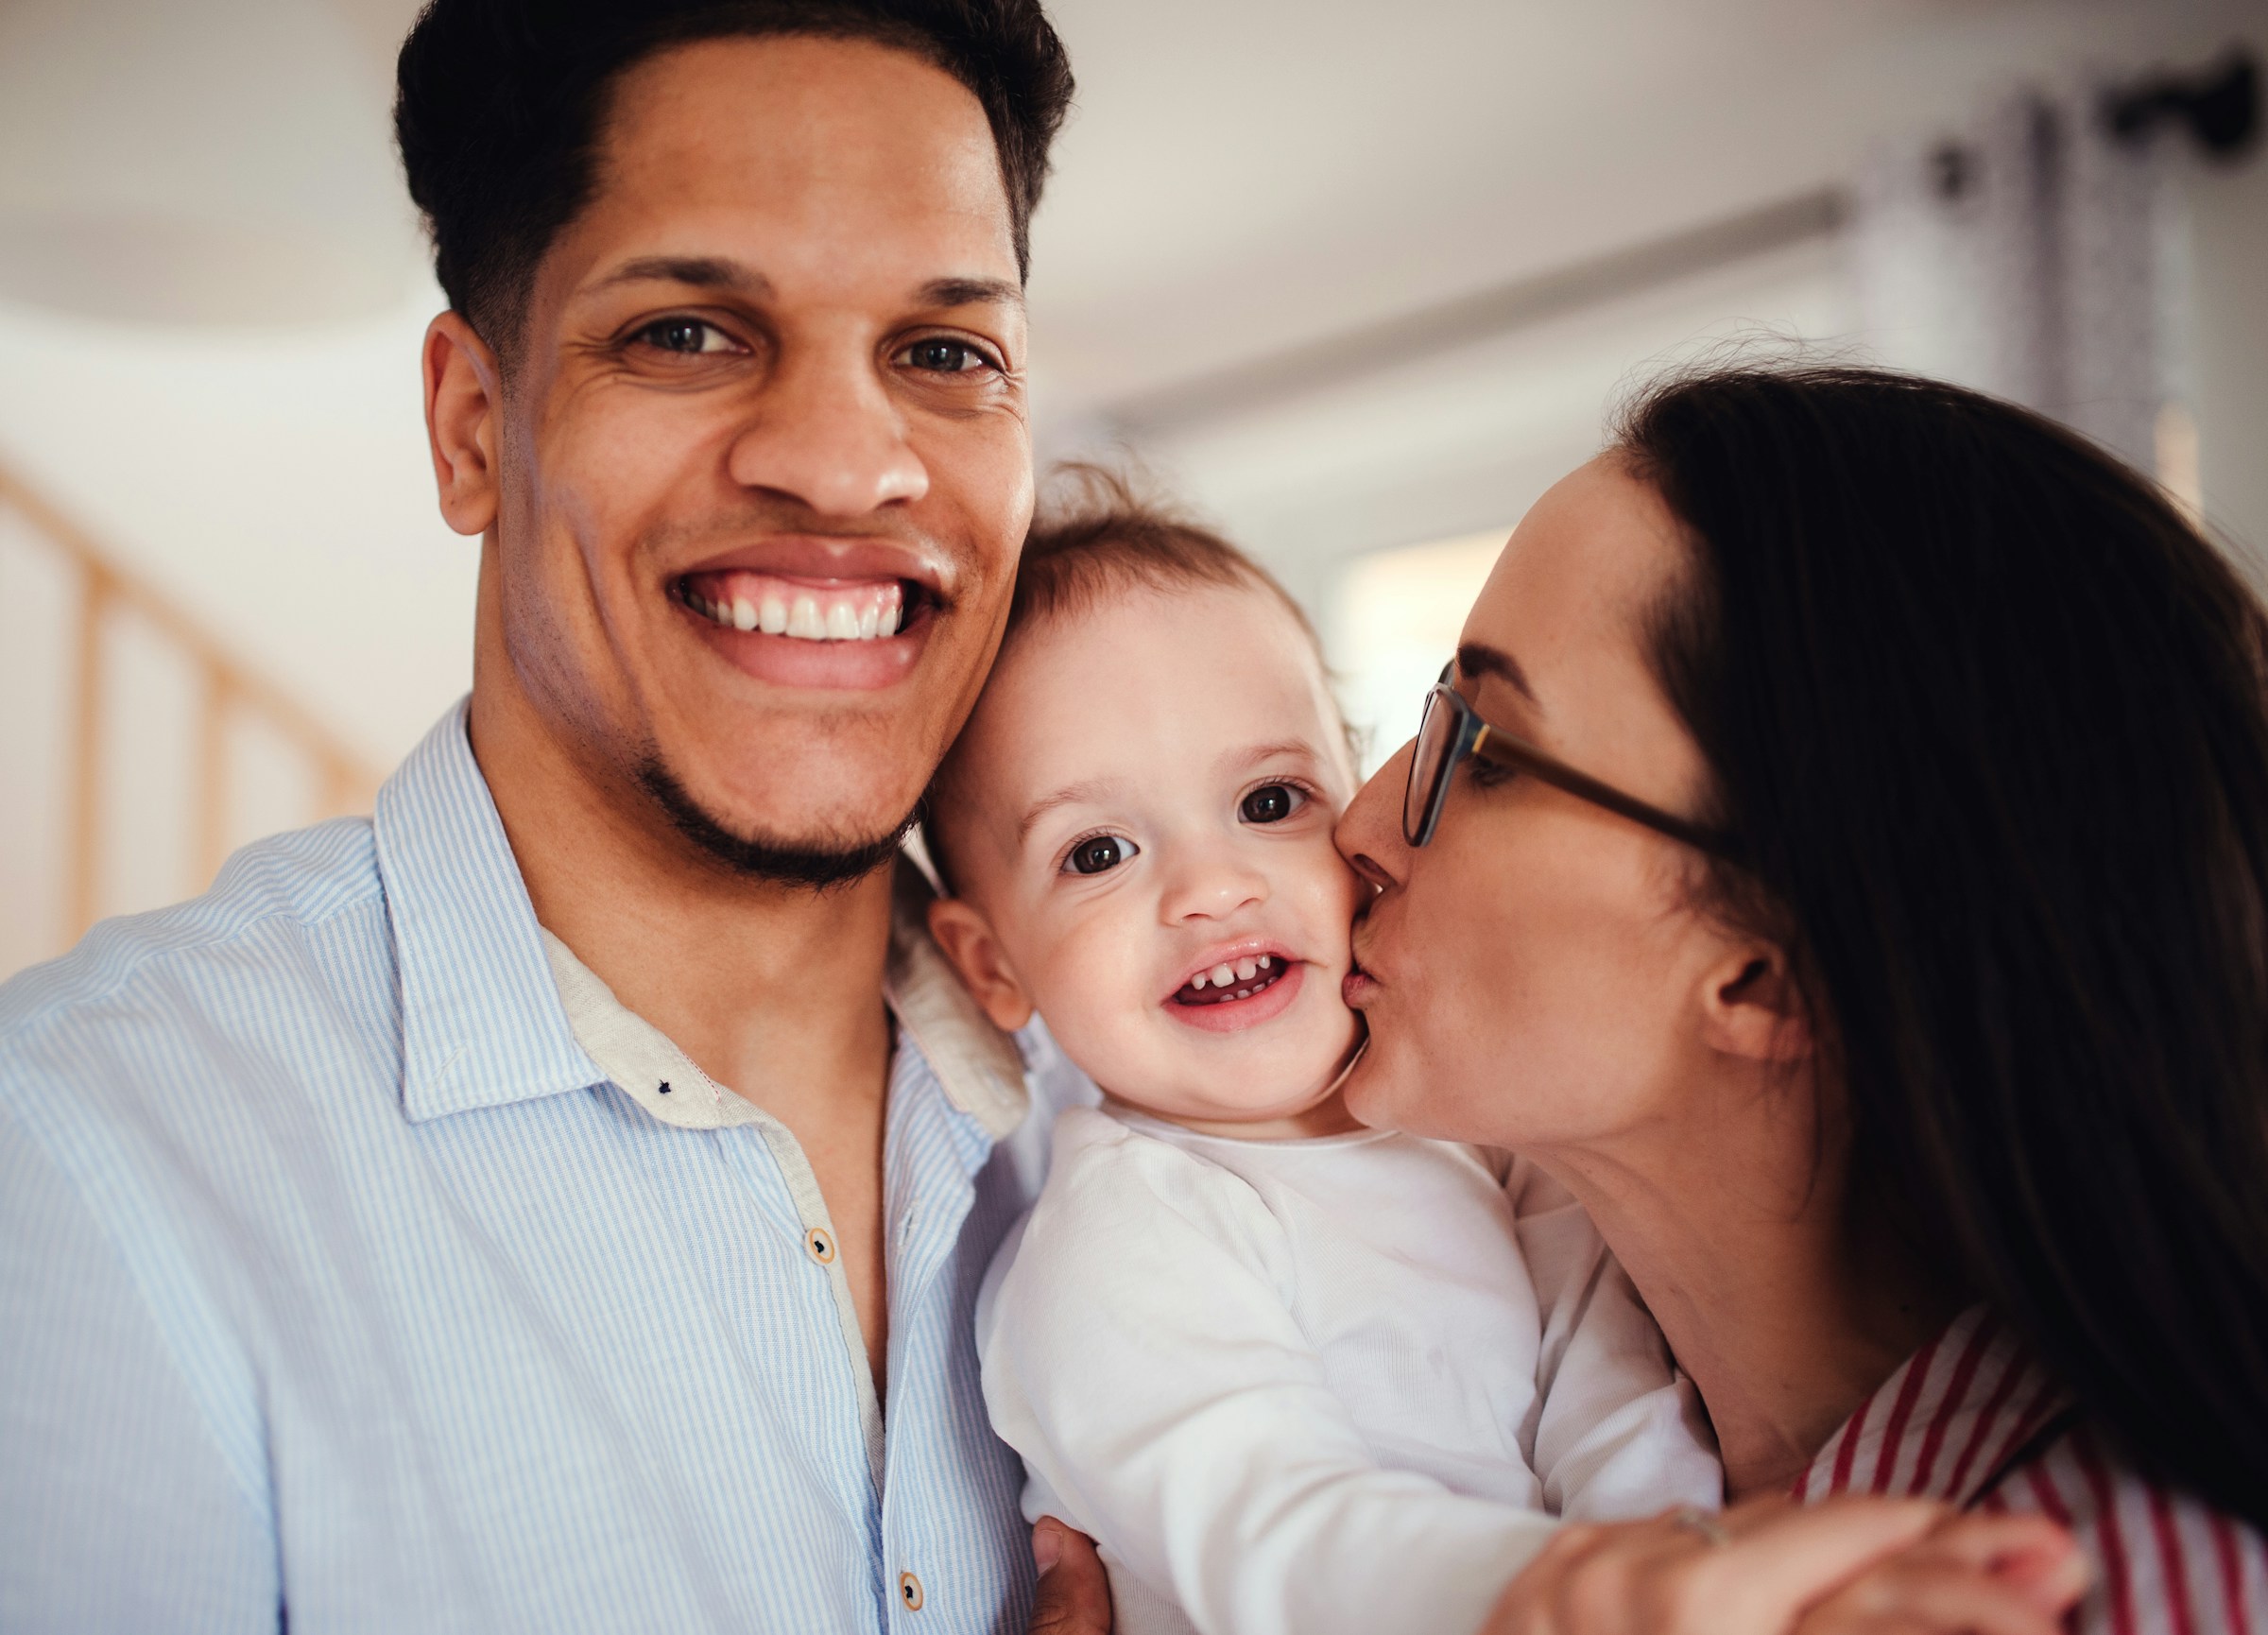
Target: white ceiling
1239, 176
1242, 176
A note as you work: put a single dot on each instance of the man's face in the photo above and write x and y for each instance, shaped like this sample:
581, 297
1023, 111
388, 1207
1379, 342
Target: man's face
765, 466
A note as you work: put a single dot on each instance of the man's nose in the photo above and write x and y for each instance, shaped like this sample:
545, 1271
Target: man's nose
827, 433
1213, 883
1370, 831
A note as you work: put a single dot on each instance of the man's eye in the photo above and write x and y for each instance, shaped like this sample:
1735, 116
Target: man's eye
1100, 854
685, 335
1271, 803
944, 356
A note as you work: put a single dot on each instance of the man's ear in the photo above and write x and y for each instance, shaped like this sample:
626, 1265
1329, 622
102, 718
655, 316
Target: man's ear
464, 406
1752, 1006
966, 938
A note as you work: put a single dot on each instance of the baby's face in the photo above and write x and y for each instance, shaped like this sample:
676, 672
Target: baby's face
1153, 785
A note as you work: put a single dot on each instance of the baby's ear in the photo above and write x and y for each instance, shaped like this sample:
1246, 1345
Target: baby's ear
966, 938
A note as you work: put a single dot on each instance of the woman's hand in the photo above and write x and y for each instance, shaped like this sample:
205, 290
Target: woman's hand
1976, 1574
1850, 1566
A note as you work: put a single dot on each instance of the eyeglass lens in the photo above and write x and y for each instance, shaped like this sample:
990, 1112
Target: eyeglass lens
1436, 735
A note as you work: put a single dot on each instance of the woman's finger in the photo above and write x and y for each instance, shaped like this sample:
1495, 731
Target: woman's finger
1778, 1561
1939, 1594
1074, 1591
2028, 1553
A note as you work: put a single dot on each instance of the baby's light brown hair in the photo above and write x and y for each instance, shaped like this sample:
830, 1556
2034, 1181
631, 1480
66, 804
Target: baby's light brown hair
1097, 534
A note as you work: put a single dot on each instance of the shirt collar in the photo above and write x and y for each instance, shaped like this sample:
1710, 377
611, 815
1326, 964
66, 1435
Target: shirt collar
496, 1010
481, 1020
977, 1066
1956, 1417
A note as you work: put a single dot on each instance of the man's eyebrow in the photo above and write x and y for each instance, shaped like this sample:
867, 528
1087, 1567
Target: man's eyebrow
971, 292
1477, 659
702, 271
1070, 795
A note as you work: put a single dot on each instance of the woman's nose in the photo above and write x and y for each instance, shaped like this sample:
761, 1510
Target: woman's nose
1370, 831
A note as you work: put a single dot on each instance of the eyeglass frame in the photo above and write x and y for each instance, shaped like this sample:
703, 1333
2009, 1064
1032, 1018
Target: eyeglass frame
1475, 736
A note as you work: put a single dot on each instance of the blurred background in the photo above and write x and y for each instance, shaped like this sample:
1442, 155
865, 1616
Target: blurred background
1357, 281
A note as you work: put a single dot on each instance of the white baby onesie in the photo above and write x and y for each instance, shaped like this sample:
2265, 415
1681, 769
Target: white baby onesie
1305, 1387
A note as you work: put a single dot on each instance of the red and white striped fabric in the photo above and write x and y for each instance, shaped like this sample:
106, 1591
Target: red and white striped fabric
1972, 1419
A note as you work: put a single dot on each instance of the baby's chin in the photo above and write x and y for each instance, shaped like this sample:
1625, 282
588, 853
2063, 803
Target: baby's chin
1247, 1090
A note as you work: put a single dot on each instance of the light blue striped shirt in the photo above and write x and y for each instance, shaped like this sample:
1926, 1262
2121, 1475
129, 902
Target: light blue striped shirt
343, 1280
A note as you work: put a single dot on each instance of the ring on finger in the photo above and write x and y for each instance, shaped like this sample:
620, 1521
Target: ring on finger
1695, 1519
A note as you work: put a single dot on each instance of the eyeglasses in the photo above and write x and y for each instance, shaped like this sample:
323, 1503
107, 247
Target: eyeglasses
1450, 730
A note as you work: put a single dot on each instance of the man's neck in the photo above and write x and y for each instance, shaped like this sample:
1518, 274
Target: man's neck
1734, 1233
774, 990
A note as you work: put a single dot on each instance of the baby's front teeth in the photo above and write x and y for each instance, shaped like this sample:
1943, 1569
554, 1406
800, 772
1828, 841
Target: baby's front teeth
1266, 960
1222, 976
1246, 969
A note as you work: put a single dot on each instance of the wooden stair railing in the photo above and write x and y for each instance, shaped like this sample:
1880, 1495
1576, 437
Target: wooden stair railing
229, 687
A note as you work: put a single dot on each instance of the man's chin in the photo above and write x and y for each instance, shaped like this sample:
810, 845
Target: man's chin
812, 863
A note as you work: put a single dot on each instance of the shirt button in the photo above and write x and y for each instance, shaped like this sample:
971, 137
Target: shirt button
909, 1590
821, 1247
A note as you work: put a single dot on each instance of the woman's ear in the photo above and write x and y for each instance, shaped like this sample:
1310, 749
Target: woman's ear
966, 938
1752, 1006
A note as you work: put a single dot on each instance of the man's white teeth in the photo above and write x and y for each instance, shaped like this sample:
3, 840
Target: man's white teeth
826, 616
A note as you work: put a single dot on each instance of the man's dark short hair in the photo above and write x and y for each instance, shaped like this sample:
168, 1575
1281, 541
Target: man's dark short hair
500, 102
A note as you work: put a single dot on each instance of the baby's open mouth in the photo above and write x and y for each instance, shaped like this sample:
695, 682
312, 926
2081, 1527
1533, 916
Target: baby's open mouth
1232, 980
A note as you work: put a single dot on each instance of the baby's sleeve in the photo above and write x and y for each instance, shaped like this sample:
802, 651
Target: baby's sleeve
1619, 1432
1141, 1355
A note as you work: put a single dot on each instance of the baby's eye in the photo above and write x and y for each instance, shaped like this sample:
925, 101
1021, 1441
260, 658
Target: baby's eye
1272, 803
1100, 854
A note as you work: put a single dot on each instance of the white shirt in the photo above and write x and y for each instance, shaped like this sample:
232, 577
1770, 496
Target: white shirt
1292, 1388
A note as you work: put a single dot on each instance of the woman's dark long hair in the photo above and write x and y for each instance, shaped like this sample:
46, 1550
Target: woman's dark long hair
1991, 720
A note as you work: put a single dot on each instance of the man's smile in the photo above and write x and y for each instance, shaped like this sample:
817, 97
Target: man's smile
817, 613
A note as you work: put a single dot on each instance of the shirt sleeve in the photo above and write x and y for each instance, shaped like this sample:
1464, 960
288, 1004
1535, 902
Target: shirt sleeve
1620, 1433
1141, 1355
117, 1510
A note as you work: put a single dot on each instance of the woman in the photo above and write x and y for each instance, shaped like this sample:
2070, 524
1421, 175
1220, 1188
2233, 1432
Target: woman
1859, 898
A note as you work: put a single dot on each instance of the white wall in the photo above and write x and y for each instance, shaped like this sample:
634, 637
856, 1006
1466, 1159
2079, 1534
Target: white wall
2228, 257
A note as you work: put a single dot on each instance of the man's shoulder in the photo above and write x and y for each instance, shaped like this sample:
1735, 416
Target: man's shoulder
250, 945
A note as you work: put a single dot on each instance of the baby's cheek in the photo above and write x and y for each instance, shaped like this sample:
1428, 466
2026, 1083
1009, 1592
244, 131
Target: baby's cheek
1088, 988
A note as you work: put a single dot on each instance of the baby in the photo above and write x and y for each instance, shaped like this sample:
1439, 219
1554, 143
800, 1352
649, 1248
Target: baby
1293, 1374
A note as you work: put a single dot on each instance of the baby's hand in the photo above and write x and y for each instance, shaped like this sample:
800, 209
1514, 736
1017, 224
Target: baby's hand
1074, 1592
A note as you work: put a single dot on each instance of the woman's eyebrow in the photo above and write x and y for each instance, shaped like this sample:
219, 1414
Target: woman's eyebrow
1477, 659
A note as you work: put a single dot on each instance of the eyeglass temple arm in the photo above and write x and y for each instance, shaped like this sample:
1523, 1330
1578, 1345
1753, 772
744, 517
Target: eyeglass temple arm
1506, 751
